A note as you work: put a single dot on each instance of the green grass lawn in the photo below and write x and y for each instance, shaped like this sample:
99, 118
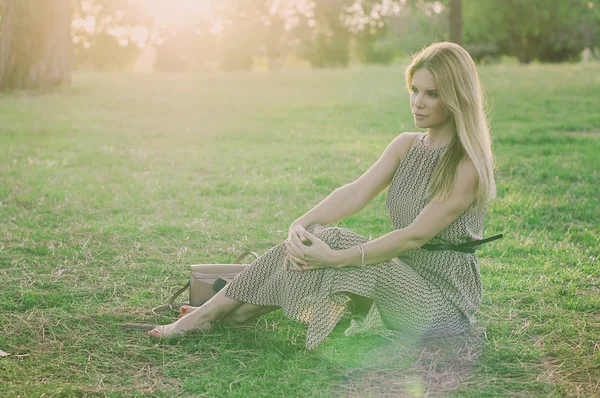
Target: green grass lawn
111, 188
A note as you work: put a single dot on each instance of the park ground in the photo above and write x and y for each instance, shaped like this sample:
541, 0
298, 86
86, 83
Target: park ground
111, 187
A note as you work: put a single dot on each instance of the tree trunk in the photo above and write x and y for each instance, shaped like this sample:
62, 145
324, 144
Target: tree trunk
456, 21
35, 43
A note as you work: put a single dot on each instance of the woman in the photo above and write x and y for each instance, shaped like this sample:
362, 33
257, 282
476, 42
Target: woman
440, 183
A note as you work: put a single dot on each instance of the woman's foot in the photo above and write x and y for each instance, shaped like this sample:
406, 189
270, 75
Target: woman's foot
180, 327
186, 309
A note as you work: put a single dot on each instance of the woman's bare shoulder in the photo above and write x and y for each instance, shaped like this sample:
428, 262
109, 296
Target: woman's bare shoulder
404, 142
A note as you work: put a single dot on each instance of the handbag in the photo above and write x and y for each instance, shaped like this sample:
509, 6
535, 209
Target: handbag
205, 281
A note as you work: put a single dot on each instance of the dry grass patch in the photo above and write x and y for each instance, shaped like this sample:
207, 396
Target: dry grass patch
593, 133
433, 367
578, 382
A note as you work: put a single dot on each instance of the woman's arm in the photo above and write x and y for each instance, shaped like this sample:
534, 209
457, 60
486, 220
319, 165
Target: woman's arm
351, 198
431, 221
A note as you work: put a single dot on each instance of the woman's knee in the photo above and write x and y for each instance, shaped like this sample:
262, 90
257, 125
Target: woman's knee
336, 237
325, 233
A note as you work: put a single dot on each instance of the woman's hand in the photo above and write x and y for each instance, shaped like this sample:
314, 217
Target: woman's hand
298, 230
295, 233
307, 252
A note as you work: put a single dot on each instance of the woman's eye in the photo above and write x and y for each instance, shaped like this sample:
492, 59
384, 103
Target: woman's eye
414, 90
433, 95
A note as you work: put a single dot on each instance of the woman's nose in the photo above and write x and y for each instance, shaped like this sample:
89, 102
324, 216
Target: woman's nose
419, 101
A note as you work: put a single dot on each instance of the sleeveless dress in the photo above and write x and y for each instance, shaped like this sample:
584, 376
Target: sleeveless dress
422, 292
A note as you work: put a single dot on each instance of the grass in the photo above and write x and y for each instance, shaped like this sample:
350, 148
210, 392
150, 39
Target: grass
110, 188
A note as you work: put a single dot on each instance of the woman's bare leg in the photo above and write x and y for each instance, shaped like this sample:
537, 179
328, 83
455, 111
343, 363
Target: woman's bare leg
185, 310
243, 314
200, 318
246, 313
217, 308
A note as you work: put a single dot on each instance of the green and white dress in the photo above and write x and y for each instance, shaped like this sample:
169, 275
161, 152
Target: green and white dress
424, 292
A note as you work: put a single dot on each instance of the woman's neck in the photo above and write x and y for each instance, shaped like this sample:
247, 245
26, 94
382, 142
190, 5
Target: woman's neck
440, 137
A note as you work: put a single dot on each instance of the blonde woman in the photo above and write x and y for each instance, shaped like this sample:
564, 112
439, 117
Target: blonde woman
423, 276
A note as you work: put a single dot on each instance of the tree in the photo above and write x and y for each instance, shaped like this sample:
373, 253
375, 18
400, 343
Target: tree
101, 32
369, 24
456, 21
244, 36
417, 26
590, 28
546, 30
35, 43
323, 34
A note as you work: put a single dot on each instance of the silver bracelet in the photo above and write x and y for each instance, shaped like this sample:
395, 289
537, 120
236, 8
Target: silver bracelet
361, 249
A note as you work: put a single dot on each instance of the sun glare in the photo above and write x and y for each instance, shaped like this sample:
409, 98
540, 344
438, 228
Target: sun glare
174, 11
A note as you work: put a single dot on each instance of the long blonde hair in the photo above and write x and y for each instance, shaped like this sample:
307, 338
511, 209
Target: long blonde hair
460, 91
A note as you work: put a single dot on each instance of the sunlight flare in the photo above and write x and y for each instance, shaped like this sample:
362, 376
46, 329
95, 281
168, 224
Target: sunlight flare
173, 11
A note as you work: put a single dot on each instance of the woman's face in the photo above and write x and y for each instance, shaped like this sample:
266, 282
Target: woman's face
428, 110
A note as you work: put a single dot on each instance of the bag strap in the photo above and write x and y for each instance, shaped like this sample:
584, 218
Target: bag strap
172, 305
243, 256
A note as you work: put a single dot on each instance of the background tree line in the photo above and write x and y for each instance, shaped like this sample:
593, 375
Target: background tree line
40, 39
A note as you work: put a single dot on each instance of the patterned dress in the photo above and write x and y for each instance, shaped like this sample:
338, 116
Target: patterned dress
424, 292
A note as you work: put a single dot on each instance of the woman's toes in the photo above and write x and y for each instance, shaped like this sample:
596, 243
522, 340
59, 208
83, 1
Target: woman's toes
167, 331
156, 332
164, 331
185, 310
179, 328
